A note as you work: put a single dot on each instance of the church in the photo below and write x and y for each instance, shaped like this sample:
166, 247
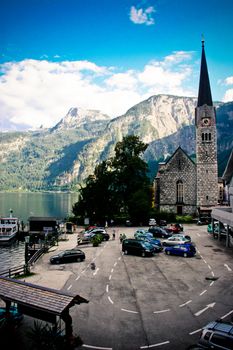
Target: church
182, 185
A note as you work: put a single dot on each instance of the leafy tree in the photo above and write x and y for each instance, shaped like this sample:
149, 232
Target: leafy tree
118, 185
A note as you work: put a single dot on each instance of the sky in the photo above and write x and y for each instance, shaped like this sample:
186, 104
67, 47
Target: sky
107, 55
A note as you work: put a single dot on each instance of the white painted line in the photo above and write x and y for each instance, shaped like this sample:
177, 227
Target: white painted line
228, 268
205, 308
159, 312
133, 312
229, 313
95, 347
204, 291
69, 287
154, 345
110, 300
209, 266
112, 270
212, 273
83, 271
96, 271
107, 288
115, 264
77, 278
187, 302
198, 251
119, 258
110, 277
211, 283
93, 259
198, 234
198, 330
204, 261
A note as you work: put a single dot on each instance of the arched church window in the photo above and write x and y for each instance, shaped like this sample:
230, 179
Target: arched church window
206, 136
179, 191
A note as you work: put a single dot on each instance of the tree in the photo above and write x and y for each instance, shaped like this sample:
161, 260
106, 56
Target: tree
118, 185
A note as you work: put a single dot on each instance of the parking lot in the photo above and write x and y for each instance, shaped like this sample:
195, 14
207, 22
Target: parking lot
153, 302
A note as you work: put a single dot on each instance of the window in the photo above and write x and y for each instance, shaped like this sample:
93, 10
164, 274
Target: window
179, 191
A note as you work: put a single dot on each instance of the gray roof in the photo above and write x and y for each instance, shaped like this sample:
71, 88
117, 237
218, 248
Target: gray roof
204, 93
44, 299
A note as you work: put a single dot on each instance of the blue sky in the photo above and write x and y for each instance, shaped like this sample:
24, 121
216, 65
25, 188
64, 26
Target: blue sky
107, 55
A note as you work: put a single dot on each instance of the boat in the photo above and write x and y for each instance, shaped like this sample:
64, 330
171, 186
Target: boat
9, 227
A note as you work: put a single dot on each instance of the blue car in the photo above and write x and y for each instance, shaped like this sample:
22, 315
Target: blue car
185, 250
154, 242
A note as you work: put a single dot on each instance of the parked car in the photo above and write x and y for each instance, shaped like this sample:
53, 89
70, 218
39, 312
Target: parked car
143, 233
217, 335
185, 250
152, 222
155, 242
137, 247
67, 256
96, 231
175, 228
173, 240
159, 232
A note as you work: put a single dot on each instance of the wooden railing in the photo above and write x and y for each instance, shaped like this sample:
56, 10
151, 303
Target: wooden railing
25, 269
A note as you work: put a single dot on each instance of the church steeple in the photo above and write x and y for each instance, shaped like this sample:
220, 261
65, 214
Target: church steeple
204, 93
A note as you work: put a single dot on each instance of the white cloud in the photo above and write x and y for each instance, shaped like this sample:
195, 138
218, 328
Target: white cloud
142, 16
228, 97
228, 81
34, 92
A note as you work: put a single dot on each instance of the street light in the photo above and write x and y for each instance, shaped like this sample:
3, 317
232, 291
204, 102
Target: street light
26, 239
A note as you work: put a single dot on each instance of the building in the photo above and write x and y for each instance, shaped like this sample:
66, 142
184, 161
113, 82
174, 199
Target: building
225, 214
185, 187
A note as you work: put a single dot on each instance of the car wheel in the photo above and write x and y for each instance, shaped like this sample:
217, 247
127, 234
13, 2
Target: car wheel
185, 255
79, 259
143, 254
168, 252
126, 252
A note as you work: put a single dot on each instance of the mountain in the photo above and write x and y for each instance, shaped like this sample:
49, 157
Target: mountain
60, 157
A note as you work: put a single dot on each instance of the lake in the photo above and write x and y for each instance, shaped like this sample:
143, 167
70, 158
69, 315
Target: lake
24, 205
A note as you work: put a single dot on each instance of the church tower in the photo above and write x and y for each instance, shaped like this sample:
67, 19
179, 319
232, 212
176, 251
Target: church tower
206, 143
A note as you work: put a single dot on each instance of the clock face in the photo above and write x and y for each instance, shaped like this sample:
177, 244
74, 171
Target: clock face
206, 122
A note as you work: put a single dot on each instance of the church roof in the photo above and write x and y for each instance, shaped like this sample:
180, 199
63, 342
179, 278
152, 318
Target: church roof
204, 93
179, 149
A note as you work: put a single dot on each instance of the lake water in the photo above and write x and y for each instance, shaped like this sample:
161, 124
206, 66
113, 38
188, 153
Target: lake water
25, 205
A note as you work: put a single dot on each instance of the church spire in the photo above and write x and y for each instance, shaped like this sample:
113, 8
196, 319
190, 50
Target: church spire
204, 93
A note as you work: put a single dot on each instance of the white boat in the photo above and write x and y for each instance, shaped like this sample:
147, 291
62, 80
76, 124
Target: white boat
9, 228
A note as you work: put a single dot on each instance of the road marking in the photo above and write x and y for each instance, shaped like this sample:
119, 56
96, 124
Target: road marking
229, 313
159, 312
187, 302
211, 283
110, 277
204, 261
198, 252
198, 330
212, 273
96, 271
115, 264
83, 271
228, 268
110, 300
69, 287
119, 258
133, 312
95, 347
198, 234
205, 308
107, 288
154, 345
209, 266
77, 278
204, 291
112, 270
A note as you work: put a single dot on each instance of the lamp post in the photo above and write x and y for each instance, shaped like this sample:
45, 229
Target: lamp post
27, 239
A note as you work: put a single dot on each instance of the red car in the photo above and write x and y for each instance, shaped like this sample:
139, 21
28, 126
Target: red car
175, 228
